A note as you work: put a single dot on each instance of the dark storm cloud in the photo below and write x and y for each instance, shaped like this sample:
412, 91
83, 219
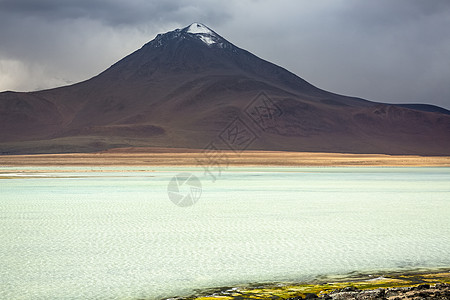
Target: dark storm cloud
110, 12
392, 51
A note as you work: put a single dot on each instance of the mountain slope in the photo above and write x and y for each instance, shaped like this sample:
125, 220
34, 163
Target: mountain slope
186, 87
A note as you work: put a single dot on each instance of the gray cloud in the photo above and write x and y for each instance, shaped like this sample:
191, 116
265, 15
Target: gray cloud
390, 51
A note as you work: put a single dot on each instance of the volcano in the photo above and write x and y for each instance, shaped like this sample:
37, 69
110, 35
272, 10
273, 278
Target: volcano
191, 88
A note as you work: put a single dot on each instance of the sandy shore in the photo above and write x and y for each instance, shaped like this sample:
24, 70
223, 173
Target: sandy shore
188, 157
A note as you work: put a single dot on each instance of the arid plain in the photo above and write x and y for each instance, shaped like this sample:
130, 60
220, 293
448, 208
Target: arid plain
189, 157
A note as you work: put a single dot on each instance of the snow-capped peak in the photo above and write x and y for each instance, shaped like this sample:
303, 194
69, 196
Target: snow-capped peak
195, 28
202, 32
195, 31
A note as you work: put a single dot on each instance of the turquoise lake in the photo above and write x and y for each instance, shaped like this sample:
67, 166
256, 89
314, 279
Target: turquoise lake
114, 233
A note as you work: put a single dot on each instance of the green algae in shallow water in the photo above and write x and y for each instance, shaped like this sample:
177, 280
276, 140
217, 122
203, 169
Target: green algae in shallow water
280, 291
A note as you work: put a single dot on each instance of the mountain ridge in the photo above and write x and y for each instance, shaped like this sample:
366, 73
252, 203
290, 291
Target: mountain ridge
183, 88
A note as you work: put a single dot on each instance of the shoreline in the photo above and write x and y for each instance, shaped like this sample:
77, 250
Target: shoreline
160, 157
434, 283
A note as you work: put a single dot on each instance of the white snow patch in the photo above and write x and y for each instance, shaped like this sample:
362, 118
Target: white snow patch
199, 28
207, 40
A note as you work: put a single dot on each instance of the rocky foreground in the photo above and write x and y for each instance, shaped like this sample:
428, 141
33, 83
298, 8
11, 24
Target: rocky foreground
423, 291
394, 286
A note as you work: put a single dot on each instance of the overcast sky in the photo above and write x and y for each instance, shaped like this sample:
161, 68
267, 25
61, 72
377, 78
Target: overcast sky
384, 50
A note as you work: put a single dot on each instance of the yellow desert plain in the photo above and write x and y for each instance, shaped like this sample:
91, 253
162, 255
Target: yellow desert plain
190, 157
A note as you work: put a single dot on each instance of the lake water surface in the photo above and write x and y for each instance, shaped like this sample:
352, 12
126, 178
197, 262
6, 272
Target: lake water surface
113, 233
